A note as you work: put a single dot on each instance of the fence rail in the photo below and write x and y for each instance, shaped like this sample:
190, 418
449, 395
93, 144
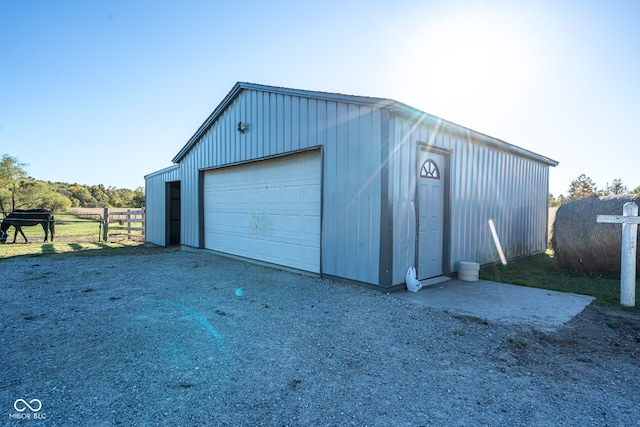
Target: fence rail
122, 217
129, 222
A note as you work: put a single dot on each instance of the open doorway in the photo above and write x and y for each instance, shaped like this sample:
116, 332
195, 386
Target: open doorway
173, 213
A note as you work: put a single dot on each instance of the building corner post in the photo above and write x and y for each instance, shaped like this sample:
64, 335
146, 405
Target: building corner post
386, 205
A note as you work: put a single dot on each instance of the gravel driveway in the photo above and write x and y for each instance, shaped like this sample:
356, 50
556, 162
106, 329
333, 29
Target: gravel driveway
185, 338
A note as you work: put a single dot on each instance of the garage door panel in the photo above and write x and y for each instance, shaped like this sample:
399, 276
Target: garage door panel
294, 223
291, 252
310, 254
257, 195
310, 228
274, 196
267, 210
277, 226
292, 194
242, 194
311, 196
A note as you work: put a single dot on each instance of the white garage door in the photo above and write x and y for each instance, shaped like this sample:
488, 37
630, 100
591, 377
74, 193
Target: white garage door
267, 210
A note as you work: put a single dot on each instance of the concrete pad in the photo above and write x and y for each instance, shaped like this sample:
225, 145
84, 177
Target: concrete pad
541, 309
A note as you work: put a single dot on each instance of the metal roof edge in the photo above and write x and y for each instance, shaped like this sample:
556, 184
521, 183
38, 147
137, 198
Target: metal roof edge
233, 93
465, 131
240, 86
161, 171
328, 96
355, 99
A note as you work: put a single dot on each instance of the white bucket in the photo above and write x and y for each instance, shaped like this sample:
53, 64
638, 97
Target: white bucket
468, 271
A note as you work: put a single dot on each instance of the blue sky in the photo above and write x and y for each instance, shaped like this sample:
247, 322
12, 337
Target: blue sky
104, 92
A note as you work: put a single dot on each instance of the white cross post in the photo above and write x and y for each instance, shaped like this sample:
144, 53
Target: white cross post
629, 220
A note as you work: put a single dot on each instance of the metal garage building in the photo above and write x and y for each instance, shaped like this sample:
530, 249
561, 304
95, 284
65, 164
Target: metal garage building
350, 187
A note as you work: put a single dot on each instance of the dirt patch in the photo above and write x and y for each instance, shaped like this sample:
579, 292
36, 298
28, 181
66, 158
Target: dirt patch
165, 337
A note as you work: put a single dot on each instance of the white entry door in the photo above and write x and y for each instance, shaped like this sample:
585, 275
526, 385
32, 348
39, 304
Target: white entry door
266, 210
431, 181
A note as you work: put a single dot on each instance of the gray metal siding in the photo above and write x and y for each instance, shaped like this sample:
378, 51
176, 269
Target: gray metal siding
190, 207
156, 200
486, 183
349, 135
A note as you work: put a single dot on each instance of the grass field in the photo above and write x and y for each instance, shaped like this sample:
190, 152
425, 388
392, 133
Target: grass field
540, 271
72, 234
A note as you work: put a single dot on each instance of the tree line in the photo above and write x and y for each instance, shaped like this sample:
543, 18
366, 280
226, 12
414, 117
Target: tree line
20, 191
583, 187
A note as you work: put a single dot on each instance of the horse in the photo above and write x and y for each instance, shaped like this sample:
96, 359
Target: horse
19, 218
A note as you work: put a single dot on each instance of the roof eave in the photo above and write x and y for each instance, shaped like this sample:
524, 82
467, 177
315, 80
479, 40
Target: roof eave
389, 104
162, 171
235, 91
421, 116
240, 86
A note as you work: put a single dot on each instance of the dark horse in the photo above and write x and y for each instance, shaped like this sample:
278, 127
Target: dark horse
25, 218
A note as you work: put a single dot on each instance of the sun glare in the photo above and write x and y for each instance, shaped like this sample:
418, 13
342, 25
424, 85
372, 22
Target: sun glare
477, 60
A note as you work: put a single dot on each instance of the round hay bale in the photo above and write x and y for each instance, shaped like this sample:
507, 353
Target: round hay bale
582, 243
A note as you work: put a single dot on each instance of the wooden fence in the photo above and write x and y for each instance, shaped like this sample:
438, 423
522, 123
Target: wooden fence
125, 218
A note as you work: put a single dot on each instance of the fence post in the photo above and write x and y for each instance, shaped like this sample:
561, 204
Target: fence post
128, 224
628, 268
105, 221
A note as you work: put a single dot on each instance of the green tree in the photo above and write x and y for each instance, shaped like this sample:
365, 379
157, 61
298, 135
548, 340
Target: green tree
99, 193
83, 196
40, 194
139, 198
19, 191
62, 188
582, 187
554, 203
636, 190
616, 187
12, 172
56, 202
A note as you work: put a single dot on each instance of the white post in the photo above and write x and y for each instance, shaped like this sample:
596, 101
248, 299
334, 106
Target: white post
129, 224
628, 267
629, 220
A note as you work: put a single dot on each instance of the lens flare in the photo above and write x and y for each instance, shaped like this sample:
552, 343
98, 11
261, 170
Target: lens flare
497, 242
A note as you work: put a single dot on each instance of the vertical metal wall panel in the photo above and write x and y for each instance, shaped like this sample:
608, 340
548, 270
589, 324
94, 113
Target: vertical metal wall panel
314, 125
189, 200
402, 173
329, 190
351, 213
156, 203
155, 206
286, 118
486, 183
340, 211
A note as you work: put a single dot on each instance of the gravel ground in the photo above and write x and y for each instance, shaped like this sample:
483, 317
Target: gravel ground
186, 338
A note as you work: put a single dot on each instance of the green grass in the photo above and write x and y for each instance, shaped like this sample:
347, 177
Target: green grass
72, 234
117, 230
67, 227
540, 271
45, 249
72, 227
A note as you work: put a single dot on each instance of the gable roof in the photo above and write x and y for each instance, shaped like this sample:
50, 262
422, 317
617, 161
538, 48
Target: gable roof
389, 104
